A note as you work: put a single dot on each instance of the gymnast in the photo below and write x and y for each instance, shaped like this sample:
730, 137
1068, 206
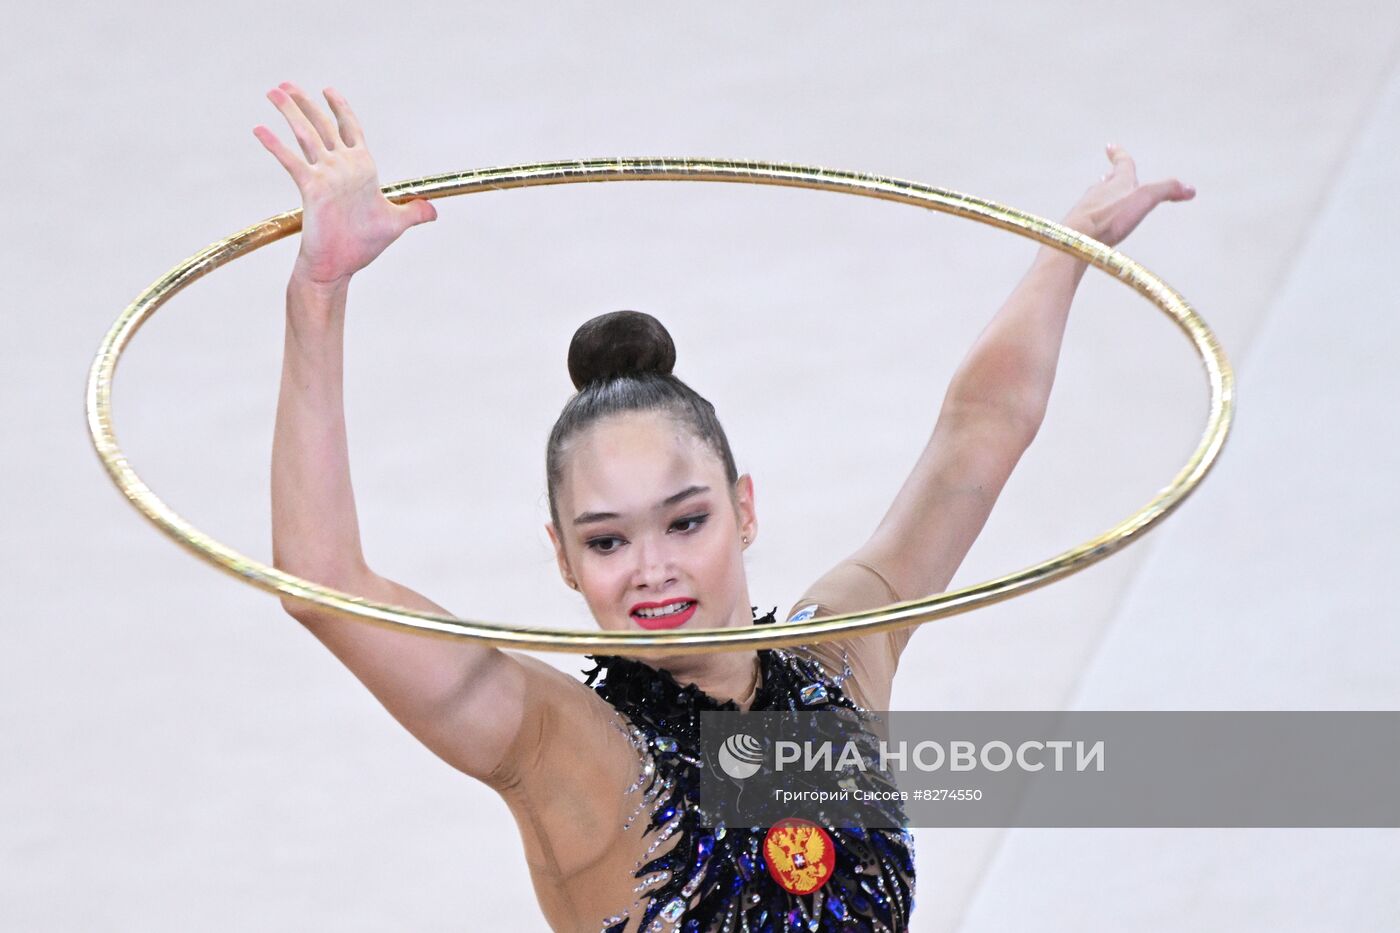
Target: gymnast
649, 521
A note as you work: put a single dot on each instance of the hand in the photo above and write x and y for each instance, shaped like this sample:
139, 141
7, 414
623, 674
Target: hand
1112, 208
346, 220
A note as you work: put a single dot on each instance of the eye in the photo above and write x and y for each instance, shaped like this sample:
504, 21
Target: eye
608, 544
695, 520
596, 544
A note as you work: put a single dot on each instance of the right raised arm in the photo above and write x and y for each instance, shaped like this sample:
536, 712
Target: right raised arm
463, 700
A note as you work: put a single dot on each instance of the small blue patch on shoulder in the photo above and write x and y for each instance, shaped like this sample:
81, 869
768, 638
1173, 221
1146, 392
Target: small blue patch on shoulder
803, 614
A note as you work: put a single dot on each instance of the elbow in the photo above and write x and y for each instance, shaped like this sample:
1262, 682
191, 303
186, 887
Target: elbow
1021, 417
1029, 422
345, 579
1017, 420
296, 608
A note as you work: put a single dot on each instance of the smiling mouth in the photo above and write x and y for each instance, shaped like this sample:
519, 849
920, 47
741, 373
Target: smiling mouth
670, 619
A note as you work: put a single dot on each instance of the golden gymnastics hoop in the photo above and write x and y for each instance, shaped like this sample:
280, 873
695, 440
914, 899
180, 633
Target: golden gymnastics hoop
896, 615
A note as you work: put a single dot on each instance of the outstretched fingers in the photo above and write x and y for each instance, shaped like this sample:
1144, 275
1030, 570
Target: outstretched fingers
350, 130
306, 134
325, 128
294, 164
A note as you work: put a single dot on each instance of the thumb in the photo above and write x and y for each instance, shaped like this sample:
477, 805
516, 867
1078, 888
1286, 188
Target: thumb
419, 212
1172, 190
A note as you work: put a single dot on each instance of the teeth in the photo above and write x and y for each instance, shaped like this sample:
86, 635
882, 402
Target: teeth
668, 611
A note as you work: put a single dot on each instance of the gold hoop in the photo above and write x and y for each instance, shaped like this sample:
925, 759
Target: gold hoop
896, 615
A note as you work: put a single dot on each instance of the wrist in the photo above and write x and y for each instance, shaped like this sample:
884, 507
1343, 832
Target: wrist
305, 283
312, 300
1081, 222
303, 273
1054, 262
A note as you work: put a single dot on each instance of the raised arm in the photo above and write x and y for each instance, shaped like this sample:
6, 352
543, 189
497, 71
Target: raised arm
460, 699
992, 411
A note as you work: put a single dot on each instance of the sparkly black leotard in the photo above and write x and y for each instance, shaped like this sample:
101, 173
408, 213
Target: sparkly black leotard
714, 879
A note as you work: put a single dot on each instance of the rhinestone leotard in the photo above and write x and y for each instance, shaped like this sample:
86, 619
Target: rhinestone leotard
714, 879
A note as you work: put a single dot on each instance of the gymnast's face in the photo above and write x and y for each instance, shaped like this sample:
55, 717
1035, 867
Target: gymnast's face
651, 532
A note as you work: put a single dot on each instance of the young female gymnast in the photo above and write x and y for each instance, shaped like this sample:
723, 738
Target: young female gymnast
649, 522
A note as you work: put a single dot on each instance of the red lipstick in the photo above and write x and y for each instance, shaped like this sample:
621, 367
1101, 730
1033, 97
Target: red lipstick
668, 621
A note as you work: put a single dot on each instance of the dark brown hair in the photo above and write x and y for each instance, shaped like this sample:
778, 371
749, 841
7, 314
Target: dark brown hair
621, 362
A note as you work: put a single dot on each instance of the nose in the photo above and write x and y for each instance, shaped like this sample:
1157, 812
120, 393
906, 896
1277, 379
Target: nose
655, 569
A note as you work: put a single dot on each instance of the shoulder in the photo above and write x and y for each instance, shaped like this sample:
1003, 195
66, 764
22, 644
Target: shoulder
866, 662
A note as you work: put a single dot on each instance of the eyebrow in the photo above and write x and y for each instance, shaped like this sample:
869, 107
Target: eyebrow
685, 493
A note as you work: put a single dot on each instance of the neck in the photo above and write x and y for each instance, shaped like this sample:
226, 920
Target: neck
729, 675
724, 675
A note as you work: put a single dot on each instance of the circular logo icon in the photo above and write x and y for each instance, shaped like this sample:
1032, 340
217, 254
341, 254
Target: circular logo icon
800, 855
741, 755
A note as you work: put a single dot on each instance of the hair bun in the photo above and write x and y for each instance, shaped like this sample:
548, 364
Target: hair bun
620, 343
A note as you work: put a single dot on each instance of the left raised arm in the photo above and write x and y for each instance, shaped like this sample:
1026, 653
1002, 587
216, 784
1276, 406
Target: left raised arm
1011, 367
997, 400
